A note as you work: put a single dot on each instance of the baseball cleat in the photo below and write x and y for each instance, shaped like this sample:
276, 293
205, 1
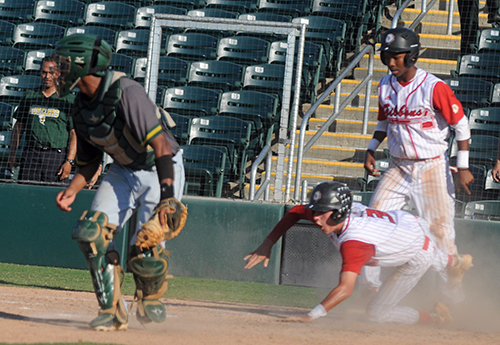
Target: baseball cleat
107, 323
440, 314
461, 264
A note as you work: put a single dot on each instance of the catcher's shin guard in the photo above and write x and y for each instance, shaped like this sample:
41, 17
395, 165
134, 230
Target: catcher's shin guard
150, 273
93, 235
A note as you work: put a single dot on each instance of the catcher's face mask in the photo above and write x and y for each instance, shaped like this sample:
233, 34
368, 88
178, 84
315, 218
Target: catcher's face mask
67, 79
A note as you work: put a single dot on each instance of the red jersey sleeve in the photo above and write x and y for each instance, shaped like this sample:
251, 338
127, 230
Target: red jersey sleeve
355, 254
297, 213
445, 102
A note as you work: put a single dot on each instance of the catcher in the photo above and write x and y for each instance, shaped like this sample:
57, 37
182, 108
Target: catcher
113, 114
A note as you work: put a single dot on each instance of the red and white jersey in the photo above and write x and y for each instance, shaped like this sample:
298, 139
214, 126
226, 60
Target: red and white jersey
396, 235
416, 127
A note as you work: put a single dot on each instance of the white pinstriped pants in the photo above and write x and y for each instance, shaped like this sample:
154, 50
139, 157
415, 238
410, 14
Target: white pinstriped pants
384, 305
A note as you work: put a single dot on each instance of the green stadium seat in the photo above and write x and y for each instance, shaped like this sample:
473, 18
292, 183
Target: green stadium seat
294, 8
6, 32
369, 183
122, 63
191, 101
491, 187
6, 111
268, 17
171, 71
488, 40
482, 150
144, 14
243, 50
101, 32
265, 78
204, 168
112, 14
218, 75
212, 13
485, 121
37, 35
187, 4
181, 129
192, 46
480, 65
482, 210
471, 92
239, 6
62, 12
11, 60
135, 42
362, 197
331, 34
33, 60
16, 11
13, 87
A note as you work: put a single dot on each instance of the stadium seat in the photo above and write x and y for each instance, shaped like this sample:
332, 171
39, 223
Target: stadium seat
37, 35
192, 46
353, 12
264, 16
13, 87
16, 11
11, 60
471, 92
259, 108
294, 8
6, 32
495, 96
33, 60
191, 101
6, 111
231, 133
181, 129
243, 50
362, 197
485, 121
218, 75
331, 34
482, 210
112, 14
313, 66
239, 6
204, 168
171, 71
122, 63
480, 65
135, 42
62, 12
491, 187
482, 150
101, 32
488, 40
144, 14
265, 78
187, 4
213, 13
369, 183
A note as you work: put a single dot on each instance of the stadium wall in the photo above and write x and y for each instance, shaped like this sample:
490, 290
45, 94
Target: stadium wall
217, 235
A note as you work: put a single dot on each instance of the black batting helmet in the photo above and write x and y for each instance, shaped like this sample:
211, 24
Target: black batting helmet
331, 196
400, 40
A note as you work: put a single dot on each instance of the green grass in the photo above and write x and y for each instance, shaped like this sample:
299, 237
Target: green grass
179, 287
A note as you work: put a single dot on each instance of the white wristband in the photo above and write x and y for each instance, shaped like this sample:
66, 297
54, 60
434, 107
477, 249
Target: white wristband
317, 312
373, 145
463, 159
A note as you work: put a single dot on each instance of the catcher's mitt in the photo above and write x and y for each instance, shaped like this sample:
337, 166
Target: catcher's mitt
152, 233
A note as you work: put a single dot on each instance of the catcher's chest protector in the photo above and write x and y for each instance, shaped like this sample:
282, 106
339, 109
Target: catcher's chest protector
98, 122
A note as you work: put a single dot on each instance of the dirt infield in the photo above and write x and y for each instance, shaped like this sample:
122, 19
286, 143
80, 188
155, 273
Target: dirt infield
41, 315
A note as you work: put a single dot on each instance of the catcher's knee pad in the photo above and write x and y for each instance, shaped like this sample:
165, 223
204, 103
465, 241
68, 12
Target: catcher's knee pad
150, 273
93, 235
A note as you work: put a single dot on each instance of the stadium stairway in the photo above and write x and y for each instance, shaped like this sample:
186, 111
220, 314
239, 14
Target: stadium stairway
339, 154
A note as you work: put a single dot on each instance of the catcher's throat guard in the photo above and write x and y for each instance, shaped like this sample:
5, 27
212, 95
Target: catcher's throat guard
93, 235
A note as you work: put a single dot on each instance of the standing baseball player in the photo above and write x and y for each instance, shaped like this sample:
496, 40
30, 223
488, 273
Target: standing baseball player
113, 114
365, 236
416, 110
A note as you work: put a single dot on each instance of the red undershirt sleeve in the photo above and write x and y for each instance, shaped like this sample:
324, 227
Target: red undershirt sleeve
445, 102
297, 213
355, 255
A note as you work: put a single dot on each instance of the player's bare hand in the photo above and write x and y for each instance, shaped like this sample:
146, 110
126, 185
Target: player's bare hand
464, 179
263, 253
64, 171
496, 172
370, 165
299, 318
65, 198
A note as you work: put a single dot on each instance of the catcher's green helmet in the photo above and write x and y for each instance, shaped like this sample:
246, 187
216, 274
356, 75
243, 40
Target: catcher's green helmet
80, 55
331, 196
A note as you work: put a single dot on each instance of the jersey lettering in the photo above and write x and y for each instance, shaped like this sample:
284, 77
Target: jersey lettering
379, 214
43, 112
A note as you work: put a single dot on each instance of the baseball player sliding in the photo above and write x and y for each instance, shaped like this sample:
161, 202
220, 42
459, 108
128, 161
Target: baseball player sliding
365, 236
416, 110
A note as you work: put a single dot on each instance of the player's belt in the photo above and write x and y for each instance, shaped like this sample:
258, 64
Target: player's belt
421, 160
47, 148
